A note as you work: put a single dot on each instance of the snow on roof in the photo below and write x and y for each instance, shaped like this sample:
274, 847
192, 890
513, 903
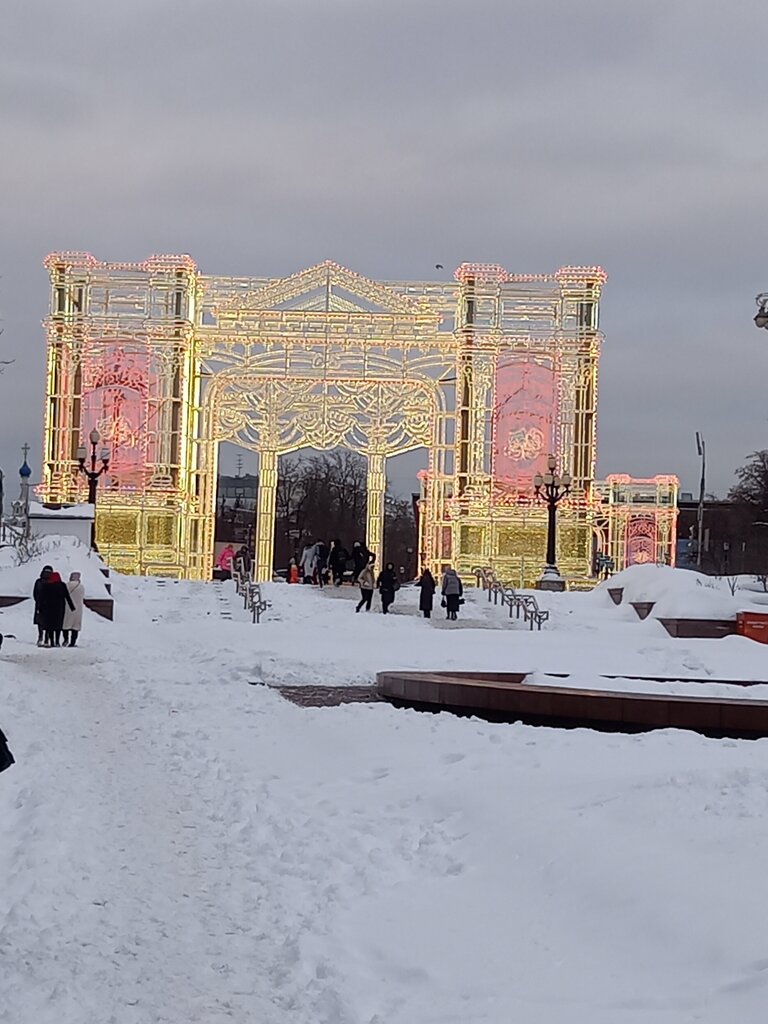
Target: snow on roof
38, 511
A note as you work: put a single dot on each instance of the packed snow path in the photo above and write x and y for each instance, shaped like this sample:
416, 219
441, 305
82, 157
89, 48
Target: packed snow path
177, 846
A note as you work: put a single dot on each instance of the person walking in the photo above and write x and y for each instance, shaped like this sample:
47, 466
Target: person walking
321, 562
40, 582
307, 563
360, 558
428, 586
337, 561
243, 561
452, 591
54, 597
293, 571
367, 582
387, 583
73, 617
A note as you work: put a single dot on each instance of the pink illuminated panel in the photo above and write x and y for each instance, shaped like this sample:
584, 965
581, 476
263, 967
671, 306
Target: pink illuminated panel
525, 418
116, 400
641, 541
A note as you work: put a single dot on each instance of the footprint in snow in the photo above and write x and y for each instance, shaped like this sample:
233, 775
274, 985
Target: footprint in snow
452, 758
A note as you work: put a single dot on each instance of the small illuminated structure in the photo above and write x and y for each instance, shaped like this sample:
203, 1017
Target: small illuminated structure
490, 372
639, 520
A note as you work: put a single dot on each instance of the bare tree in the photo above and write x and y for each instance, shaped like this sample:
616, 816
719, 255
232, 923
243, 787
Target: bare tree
325, 496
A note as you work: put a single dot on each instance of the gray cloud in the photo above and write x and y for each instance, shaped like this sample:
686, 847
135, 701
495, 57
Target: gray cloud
264, 136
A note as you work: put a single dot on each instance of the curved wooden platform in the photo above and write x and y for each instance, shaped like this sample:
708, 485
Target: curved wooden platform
507, 697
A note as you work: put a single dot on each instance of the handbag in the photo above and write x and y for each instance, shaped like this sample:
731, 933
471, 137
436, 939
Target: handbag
443, 603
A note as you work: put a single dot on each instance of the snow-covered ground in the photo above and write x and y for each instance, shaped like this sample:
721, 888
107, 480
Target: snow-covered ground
177, 845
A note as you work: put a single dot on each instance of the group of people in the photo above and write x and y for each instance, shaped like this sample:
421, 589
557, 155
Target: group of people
321, 563
230, 559
387, 583
451, 590
58, 608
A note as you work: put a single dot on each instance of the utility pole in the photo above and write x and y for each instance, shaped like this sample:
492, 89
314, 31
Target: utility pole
702, 450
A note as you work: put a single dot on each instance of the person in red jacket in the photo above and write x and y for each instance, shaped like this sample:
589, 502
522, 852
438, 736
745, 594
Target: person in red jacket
225, 559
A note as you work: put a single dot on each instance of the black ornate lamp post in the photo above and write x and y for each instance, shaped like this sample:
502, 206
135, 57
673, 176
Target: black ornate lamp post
93, 474
551, 488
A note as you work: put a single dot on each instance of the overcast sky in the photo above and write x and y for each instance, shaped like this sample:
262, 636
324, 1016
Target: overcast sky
391, 135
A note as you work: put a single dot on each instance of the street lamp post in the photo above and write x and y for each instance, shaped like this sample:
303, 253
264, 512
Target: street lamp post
92, 475
551, 488
701, 448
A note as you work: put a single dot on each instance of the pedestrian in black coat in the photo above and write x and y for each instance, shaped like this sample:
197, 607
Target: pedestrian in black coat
428, 587
53, 598
360, 557
387, 583
337, 561
321, 561
40, 582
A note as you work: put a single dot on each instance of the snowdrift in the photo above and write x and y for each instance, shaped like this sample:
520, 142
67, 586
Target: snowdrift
65, 554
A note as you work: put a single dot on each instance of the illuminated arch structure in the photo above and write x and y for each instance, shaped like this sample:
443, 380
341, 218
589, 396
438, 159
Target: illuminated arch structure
490, 372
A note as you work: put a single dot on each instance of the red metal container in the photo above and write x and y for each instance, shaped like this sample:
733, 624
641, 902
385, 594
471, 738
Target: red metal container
753, 625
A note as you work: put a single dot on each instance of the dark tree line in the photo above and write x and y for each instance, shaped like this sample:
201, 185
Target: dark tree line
324, 496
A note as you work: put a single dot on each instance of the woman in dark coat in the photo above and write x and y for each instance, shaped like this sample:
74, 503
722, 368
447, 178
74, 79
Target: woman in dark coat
53, 597
387, 584
40, 582
428, 587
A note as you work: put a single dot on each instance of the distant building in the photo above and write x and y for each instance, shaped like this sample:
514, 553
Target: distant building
734, 541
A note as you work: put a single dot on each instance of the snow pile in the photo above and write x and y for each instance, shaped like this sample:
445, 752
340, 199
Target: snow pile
65, 554
676, 593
